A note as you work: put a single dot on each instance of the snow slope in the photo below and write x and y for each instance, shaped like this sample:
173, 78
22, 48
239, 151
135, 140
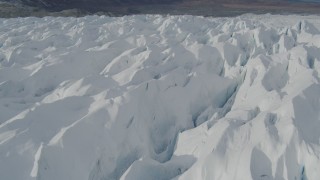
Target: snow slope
153, 97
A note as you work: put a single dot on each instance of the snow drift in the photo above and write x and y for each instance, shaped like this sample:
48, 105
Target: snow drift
153, 97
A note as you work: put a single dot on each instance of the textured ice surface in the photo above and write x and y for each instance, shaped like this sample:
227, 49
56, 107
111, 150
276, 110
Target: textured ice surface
153, 97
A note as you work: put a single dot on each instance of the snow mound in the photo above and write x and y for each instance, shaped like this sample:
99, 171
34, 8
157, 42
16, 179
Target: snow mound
153, 97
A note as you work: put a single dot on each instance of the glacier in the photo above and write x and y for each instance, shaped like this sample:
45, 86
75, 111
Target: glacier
160, 97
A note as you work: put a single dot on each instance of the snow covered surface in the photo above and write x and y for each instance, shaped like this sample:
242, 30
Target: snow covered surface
153, 97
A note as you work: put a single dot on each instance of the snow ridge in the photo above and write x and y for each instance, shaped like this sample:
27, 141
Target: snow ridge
154, 97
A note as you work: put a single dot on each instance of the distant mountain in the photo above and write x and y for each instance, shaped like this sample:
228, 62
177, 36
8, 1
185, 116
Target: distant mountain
125, 7
77, 3
97, 3
62, 3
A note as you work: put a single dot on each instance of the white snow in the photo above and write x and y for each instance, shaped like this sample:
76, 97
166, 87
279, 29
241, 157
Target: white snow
160, 97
